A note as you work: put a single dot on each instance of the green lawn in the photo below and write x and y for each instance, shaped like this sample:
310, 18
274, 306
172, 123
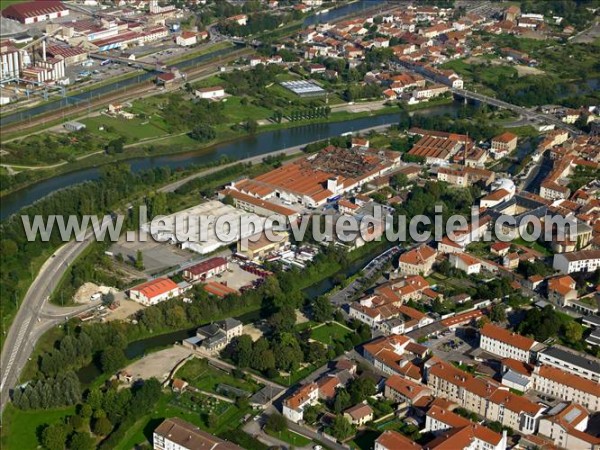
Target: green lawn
237, 112
290, 437
201, 375
328, 333
24, 426
134, 129
5, 3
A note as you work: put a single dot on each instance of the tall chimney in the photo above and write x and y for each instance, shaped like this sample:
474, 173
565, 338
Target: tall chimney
44, 50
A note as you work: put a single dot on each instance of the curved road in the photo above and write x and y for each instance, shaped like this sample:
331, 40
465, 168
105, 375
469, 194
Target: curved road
35, 316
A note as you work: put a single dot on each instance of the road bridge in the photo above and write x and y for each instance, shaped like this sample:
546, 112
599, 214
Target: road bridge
526, 113
150, 67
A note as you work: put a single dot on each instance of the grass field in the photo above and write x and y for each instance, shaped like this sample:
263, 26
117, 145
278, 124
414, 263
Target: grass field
134, 129
5, 3
236, 112
290, 437
24, 426
328, 333
200, 374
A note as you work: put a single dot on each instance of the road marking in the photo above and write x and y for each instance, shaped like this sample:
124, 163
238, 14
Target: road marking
14, 353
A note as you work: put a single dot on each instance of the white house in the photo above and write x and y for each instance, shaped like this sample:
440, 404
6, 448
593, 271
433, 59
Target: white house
210, 92
465, 262
186, 39
581, 261
293, 406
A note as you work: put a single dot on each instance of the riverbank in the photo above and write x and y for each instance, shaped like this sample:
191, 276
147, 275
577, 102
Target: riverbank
183, 144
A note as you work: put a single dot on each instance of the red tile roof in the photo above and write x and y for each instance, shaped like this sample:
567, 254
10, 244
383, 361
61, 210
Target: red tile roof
503, 335
154, 288
392, 440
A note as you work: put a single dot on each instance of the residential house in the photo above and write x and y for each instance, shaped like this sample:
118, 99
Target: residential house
294, 405
214, 337
504, 144
359, 414
404, 391
392, 440
465, 262
418, 261
562, 290
210, 92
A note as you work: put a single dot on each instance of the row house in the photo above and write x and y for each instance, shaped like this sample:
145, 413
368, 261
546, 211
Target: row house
459, 432
558, 383
576, 363
505, 344
483, 396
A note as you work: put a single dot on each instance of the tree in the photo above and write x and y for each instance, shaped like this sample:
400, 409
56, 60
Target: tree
82, 441
276, 423
251, 126
498, 313
212, 420
203, 133
54, 437
322, 310
115, 146
311, 413
102, 426
341, 428
361, 388
342, 401
573, 332
112, 359
139, 260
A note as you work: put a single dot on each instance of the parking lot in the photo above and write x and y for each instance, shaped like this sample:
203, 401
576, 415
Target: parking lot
157, 256
235, 277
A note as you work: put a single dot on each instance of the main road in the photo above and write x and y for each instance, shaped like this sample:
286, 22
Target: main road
35, 316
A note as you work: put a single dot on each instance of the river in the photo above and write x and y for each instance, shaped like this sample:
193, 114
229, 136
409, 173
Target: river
245, 147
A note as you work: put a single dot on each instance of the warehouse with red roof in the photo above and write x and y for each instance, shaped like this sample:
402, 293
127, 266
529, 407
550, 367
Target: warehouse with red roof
36, 11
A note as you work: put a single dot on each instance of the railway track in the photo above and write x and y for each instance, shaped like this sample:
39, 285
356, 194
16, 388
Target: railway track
146, 87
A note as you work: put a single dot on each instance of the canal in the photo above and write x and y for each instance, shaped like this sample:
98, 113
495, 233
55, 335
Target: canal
138, 349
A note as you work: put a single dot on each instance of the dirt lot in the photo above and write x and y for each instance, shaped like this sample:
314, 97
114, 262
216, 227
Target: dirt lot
521, 70
158, 364
84, 293
125, 309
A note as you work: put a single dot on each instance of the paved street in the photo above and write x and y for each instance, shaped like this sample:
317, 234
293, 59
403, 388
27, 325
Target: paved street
35, 316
